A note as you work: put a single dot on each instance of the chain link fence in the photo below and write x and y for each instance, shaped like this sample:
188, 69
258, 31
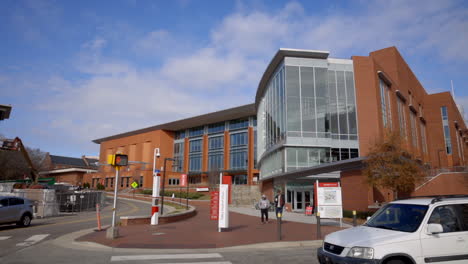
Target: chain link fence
79, 201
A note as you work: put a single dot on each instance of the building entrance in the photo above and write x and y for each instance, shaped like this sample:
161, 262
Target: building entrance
299, 196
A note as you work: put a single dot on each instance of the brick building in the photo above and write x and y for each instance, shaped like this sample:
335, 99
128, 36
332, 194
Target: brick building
314, 119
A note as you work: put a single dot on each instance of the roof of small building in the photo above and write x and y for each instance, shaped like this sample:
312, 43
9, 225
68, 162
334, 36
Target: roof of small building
73, 162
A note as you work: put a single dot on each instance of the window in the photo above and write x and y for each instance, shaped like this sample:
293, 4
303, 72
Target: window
4, 202
385, 104
401, 117
179, 134
238, 123
195, 155
414, 130
178, 164
174, 181
446, 128
453, 218
238, 157
423, 138
216, 128
240, 179
216, 153
141, 181
15, 201
194, 179
196, 131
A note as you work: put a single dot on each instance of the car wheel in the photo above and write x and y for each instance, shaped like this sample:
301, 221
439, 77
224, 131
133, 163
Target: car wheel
25, 220
395, 261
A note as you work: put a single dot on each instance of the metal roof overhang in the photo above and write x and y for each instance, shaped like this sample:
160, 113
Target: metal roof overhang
321, 171
210, 118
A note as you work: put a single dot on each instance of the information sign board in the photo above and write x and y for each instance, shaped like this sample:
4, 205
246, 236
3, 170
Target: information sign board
329, 202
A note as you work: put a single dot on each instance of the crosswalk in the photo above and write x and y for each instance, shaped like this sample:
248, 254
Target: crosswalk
28, 241
205, 258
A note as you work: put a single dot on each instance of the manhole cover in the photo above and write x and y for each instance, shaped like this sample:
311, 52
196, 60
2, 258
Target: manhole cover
158, 234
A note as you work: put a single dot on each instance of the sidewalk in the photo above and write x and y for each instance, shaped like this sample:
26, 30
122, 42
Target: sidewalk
199, 232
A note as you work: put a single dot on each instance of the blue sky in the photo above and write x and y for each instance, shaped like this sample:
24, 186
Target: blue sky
75, 71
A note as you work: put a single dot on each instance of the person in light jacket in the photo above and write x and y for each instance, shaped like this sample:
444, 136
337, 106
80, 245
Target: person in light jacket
264, 205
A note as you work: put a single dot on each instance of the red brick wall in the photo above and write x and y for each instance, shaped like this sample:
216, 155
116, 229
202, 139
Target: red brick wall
356, 194
450, 183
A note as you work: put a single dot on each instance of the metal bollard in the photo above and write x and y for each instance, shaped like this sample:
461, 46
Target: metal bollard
354, 218
98, 215
319, 234
279, 225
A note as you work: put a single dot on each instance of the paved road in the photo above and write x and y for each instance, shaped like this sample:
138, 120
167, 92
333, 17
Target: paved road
14, 239
46, 242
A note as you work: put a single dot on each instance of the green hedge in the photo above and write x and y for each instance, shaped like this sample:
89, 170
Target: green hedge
359, 214
191, 195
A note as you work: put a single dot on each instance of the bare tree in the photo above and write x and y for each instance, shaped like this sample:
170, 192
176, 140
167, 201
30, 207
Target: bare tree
13, 164
390, 166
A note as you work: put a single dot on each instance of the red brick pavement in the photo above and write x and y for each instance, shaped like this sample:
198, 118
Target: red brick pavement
201, 232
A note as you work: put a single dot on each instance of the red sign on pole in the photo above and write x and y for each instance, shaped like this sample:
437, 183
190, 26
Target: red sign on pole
214, 205
183, 180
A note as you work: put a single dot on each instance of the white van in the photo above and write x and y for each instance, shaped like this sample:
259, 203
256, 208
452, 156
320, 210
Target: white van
412, 231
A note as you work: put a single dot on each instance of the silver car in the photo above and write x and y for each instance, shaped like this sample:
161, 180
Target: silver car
15, 210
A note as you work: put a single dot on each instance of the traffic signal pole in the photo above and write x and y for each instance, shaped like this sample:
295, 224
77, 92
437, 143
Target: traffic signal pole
113, 231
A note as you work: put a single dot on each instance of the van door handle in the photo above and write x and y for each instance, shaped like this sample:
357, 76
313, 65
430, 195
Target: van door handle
460, 239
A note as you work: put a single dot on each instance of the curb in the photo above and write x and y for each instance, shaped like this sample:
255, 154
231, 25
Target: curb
69, 241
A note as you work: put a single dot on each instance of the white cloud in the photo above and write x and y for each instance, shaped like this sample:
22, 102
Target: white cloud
118, 96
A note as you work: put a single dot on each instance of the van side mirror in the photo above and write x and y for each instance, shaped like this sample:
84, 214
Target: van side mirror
435, 228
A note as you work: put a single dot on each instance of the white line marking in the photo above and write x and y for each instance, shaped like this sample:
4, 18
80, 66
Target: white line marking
171, 256
4, 237
32, 240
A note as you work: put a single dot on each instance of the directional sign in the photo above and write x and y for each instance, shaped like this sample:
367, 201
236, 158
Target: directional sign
134, 185
157, 171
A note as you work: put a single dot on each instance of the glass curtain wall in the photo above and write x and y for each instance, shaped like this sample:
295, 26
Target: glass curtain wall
195, 155
307, 103
178, 164
216, 153
238, 152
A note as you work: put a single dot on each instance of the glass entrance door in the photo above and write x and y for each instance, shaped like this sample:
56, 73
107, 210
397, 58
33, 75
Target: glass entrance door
301, 199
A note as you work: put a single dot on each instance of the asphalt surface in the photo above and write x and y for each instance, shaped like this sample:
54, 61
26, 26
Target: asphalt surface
14, 239
54, 242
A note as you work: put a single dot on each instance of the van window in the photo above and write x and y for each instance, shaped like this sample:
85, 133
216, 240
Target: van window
4, 202
453, 218
399, 217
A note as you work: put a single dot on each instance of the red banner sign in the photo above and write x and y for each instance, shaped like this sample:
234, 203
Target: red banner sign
214, 205
183, 180
328, 184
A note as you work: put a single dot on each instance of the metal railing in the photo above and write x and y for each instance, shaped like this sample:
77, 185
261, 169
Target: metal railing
79, 201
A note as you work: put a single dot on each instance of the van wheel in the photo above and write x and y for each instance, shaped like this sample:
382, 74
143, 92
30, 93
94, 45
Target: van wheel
395, 261
25, 220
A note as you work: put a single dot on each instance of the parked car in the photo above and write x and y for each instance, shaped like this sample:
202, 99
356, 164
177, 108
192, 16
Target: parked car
411, 231
15, 210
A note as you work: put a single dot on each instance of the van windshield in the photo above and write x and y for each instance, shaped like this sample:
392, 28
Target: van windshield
398, 217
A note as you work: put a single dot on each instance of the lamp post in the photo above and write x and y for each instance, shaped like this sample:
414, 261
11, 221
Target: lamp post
164, 183
155, 196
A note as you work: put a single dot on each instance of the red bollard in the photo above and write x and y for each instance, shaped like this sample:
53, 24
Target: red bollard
98, 215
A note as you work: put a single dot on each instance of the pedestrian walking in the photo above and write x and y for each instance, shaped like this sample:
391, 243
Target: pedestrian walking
279, 203
264, 205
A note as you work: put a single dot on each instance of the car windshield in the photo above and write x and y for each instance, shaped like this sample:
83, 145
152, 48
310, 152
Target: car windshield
398, 217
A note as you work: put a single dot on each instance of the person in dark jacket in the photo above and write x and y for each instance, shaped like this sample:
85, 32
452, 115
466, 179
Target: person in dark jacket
279, 203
